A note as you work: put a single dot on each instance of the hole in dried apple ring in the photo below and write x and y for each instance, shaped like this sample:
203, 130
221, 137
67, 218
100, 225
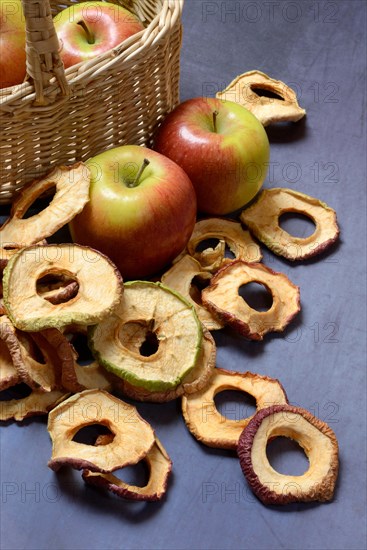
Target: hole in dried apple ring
57, 287
138, 337
256, 295
198, 284
265, 92
286, 456
19, 391
207, 243
137, 475
79, 342
39, 202
88, 435
235, 404
297, 224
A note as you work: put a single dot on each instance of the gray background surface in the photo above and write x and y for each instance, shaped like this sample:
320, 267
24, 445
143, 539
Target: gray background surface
319, 48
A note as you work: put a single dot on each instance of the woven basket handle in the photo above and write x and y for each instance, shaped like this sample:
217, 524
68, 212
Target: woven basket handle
42, 47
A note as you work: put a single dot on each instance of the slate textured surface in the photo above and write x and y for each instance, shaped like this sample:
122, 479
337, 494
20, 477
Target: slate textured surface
319, 48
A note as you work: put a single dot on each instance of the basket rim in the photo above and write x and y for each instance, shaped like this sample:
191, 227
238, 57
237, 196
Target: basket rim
84, 71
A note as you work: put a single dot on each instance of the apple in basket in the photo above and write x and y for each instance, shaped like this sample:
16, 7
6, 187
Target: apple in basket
88, 29
222, 147
141, 213
12, 43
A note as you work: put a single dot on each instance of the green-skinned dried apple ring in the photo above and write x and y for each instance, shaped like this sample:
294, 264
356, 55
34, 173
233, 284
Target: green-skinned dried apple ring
262, 218
196, 380
35, 404
30, 312
180, 277
223, 299
72, 193
268, 110
314, 436
208, 425
133, 436
160, 466
149, 312
227, 232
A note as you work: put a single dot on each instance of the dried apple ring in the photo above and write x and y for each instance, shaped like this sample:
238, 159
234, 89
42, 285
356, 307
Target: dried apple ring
196, 380
133, 436
35, 404
227, 232
268, 110
222, 298
30, 312
262, 218
314, 436
9, 375
180, 277
72, 193
208, 425
149, 312
160, 466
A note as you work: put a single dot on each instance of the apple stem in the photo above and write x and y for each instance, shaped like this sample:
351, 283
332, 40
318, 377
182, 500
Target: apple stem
215, 114
135, 183
90, 37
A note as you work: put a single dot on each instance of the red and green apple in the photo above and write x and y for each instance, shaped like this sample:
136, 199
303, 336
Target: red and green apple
221, 146
12, 43
142, 210
88, 29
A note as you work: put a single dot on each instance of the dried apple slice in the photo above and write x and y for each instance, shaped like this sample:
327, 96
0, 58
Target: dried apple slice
268, 110
222, 298
208, 425
314, 436
262, 218
180, 277
160, 466
133, 436
228, 233
72, 193
196, 380
30, 312
35, 404
9, 375
149, 312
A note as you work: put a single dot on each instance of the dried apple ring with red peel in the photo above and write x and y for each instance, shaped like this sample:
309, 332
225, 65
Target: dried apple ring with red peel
160, 467
133, 436
72, 193
227, 232
154, 315
208, 425
314, 436
222, 298
262, 218
35, 404
181, 277
196, 380
29, 311
268, 110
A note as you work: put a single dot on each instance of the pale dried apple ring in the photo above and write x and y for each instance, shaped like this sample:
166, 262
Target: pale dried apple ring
72, 193
268, 110
262, 218
160, 467
223, 299
227, 232
314, 436
149, 310
30, 312
133, 436
208, 425
180, 277
196, 380
35, 404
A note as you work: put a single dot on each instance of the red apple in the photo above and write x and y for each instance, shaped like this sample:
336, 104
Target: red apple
12, 43
141, 212
88, 29
222, 147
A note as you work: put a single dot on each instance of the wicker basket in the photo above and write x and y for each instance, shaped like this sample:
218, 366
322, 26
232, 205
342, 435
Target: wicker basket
58, 117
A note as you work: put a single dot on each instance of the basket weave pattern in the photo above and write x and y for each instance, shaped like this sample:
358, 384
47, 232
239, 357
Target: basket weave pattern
117, 98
